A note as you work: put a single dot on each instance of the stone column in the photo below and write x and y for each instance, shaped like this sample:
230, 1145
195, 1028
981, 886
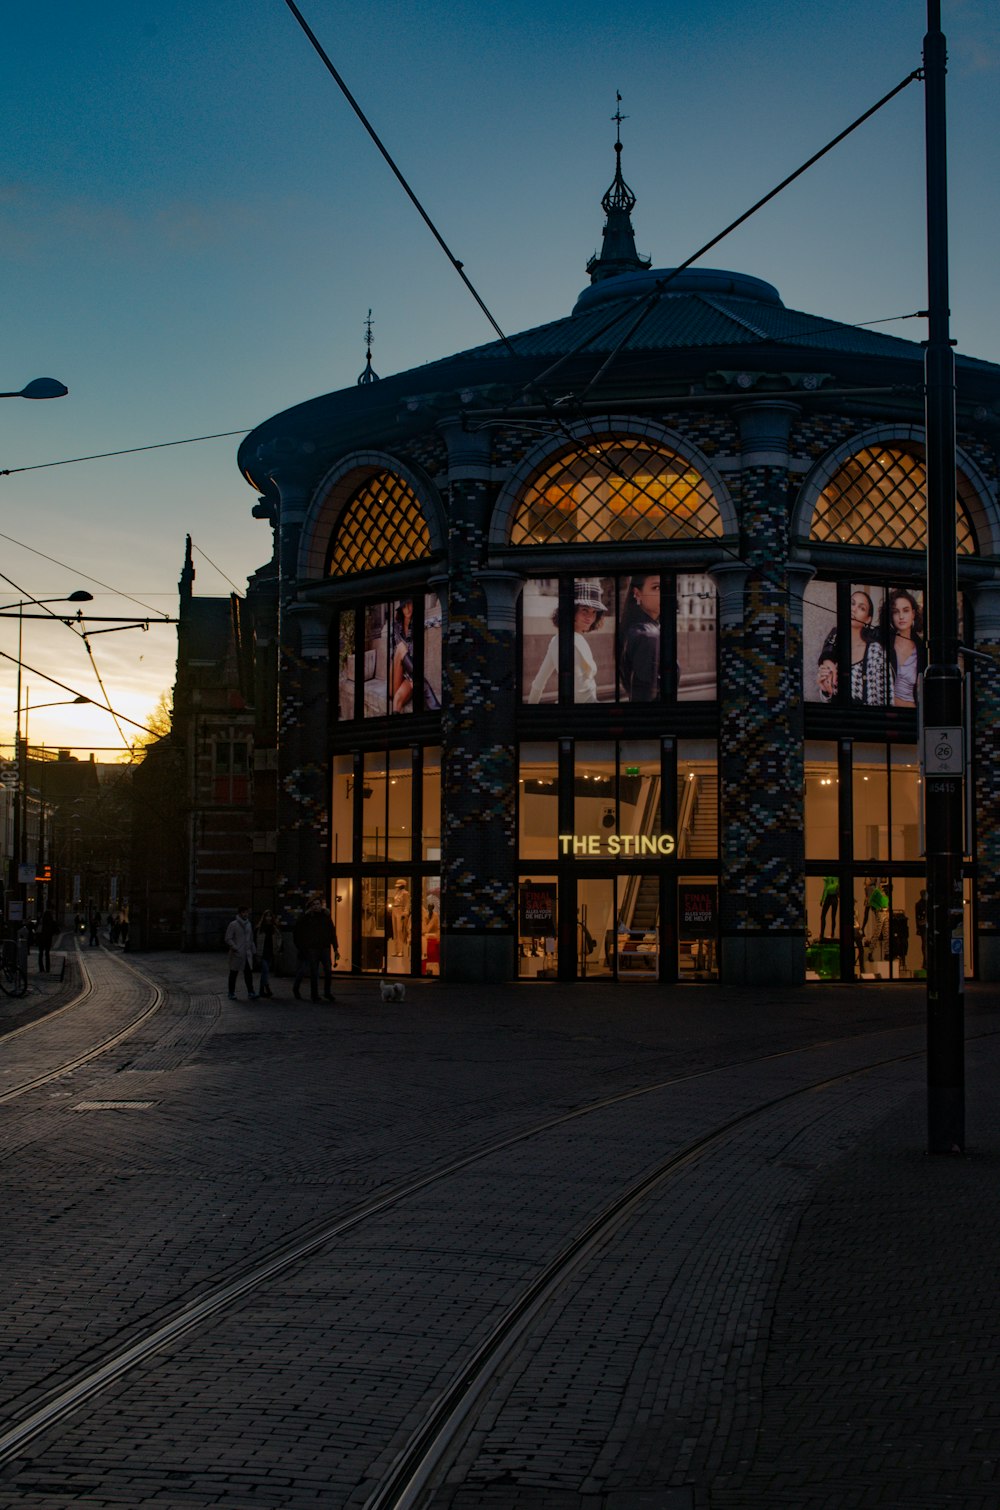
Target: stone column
986, 758
479, 774
303, 689
762, 891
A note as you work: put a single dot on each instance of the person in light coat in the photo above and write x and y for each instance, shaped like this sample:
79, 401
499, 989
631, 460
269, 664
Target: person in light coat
239, 942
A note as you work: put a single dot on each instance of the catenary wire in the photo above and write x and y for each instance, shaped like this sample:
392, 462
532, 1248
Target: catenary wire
222, 574
77, 693
349, 97
86, 577
159, 445
672, 273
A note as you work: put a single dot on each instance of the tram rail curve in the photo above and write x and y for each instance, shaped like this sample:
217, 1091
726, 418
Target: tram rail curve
100, 1046
428, 1448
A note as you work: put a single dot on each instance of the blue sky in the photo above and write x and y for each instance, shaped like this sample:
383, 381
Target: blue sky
193, 226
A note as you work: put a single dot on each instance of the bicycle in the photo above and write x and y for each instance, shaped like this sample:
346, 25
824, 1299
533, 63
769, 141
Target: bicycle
13, 975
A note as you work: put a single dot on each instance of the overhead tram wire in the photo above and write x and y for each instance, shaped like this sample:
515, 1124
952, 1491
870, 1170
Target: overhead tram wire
653, 298
222, 574
160, 445
349, 97
75, 691
104, 690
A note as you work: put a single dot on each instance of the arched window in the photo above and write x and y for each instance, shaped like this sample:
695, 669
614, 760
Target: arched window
878, 497
381, 525
616, 489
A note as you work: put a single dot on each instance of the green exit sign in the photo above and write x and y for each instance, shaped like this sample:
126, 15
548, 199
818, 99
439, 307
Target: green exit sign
631, 770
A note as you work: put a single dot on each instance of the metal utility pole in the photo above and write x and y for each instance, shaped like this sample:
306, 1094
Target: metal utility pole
943, 753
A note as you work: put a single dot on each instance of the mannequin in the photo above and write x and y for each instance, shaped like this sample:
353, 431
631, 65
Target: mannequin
400, 904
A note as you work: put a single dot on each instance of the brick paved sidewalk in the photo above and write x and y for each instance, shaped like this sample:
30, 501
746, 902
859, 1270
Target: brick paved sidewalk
46, 992
870, 1385
881, 1381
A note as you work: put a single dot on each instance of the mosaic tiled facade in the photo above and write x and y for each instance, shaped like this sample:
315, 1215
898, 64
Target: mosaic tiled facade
469, 436
479, 769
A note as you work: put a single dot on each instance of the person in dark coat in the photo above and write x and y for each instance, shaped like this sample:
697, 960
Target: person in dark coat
314, 936
46, 933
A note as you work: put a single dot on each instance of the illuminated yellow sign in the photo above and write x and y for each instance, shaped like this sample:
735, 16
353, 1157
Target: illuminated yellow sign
636, 845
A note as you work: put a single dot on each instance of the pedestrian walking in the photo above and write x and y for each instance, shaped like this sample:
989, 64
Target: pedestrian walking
95, 927
268, 934
46, 933
239, 942
314, 936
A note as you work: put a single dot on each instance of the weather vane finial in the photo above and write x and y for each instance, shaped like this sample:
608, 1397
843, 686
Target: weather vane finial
618, 118
369, 375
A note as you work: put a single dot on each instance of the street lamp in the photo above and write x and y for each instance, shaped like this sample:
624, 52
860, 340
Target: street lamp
29, 707
79, 596
39, 388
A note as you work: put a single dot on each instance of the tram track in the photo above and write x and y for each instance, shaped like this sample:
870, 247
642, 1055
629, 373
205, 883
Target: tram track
101, 1046
434, 1441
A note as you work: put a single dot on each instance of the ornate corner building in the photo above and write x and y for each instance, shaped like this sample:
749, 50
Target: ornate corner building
596, 653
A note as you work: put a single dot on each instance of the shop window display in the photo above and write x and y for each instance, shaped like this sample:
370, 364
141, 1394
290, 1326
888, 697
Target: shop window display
698, 928
822, 799
538, 928
641, 638
697, 799
342, 811
538, 804
398, 638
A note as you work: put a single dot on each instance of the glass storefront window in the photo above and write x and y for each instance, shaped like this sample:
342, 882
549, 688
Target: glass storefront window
698, 928
375, 660
373, 835
430, 925
538, 801
374, 918
664, 641
639, 637
402, 632
342, 811
696, 639
433, 631
538, 928
346, 663
823, 927
540, 640
595, 928
639, 789
399, 925
906, 798
594, 640
594, 818
430, 831
870, 788
822, 827
637, 927
697, 799
873, 904
342, 907
399, 814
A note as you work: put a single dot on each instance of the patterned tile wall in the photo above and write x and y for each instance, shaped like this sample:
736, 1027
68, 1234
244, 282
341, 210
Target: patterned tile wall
760, 727
479, 775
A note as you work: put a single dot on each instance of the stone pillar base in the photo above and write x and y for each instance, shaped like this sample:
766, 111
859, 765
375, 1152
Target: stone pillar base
771, 959
989, 957
478, 957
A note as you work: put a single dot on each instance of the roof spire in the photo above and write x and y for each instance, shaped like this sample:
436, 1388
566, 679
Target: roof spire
618, 253
369, 375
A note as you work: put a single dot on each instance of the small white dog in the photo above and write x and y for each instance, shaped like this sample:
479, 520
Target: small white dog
392, 990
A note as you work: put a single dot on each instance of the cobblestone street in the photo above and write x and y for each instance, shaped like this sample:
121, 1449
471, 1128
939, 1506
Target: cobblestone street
804, 1313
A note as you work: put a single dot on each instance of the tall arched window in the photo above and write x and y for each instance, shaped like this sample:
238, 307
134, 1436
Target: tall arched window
381, 525
878, 497
616, 488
